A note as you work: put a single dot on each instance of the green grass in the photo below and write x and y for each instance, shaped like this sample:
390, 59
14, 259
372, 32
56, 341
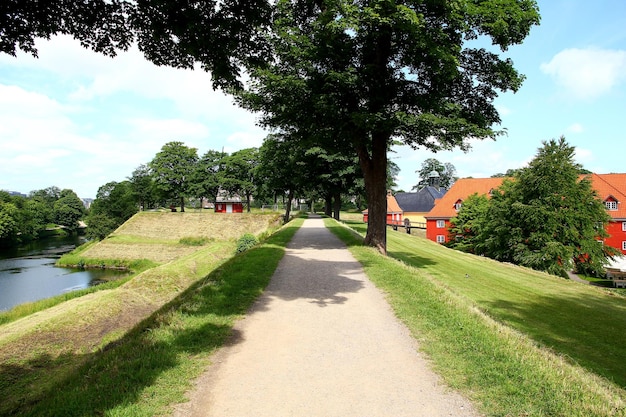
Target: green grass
517, 342
150, 368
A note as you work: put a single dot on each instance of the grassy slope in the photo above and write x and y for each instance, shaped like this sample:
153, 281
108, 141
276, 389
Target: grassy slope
39, 351
529, 365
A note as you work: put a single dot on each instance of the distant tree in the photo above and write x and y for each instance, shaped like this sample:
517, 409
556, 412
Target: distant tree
8, 222
282, 169
142, 185
33, 218
173, 169
547, 218
446, 171
508, 174
117, 200
239, 170
114, 204
68, 210
207, 177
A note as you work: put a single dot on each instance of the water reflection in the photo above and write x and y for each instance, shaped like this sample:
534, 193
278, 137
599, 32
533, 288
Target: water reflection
27, 273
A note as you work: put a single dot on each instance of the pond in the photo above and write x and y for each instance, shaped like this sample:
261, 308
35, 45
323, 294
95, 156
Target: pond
27, 273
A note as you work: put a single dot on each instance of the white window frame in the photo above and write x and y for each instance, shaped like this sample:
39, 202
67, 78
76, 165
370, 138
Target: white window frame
441, 238
624, 245
611, 205
623, 226
441, 224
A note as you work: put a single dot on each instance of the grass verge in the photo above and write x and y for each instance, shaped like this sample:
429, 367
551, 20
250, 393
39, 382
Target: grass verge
504, 371
151, 367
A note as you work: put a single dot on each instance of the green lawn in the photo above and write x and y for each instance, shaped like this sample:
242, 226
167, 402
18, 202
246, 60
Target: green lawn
518, 342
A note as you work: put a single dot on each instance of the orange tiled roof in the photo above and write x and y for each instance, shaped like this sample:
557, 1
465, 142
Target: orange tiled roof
611, 185
606, 185
392, 205
460, 190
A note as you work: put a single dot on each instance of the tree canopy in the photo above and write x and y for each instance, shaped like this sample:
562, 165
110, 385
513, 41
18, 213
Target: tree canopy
446, 171
360, 75
344, 74
548, 217
173, 168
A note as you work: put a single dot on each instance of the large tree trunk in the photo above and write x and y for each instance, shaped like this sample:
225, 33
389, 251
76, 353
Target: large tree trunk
328, 204
336, 205
182, 204
374, 169
288, 206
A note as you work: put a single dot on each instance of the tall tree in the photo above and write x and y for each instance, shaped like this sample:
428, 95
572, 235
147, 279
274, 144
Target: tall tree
359, 72
239, 170
207, 177
446, 171
355, 75
548, 217
173, 168
142, 185
282, 169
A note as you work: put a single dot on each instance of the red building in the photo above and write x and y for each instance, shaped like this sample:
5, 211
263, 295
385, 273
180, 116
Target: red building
229, 207
394, 212
611, 189
438, 219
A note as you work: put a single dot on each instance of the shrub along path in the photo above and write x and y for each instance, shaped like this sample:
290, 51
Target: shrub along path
321, 341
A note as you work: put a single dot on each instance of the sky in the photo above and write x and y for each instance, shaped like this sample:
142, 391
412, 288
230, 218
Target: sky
75, 119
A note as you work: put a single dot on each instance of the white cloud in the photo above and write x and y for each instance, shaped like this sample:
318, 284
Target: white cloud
587, 73
575, 128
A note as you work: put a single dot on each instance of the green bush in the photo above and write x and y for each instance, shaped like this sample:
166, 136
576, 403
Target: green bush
245, 242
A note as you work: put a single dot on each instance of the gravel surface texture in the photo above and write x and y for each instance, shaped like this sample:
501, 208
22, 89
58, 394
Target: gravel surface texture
321, 341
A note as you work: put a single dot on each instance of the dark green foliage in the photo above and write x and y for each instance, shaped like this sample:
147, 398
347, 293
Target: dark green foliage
466, 228
172, 170
238, 173
207, 176
143, 187
68, 210
358, 76
246, 242
546, 218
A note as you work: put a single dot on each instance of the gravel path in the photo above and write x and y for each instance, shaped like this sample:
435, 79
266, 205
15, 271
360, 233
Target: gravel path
321, 341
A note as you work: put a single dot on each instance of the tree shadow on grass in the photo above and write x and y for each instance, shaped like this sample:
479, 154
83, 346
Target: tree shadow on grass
588, 329
124, 372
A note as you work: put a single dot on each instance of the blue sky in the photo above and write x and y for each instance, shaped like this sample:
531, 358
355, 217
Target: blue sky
75, 119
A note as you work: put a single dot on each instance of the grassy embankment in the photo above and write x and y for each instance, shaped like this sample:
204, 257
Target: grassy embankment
134, 350
462, 323
516, 341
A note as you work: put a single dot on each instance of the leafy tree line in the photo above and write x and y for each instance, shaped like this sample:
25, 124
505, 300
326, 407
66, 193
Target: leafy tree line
349, 77
545, 217
280, 169
25, 218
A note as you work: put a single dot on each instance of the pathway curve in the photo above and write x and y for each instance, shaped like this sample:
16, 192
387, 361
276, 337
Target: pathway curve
321, 341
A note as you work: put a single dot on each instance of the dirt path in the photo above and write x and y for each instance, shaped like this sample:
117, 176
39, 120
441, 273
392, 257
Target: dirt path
321, 341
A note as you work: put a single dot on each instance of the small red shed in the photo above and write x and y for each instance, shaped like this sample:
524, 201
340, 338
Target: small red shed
229, 207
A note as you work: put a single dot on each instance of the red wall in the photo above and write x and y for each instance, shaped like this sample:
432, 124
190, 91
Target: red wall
432, 231
617, 236
221, 207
